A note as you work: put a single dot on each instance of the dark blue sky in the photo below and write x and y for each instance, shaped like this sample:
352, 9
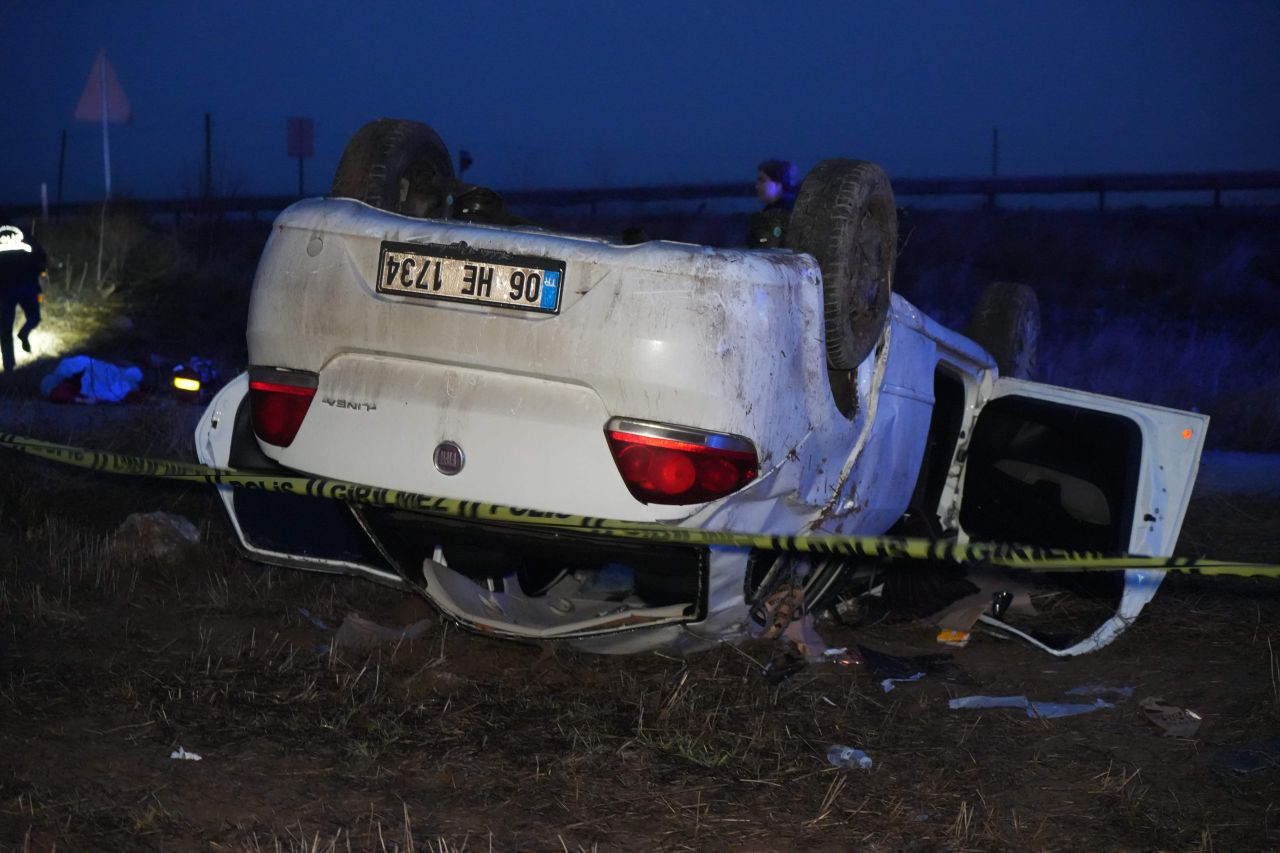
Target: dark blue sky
590, 93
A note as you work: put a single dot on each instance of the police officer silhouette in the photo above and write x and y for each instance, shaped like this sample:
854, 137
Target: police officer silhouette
22, 261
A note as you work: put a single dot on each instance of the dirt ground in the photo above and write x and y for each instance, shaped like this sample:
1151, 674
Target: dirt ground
113, 657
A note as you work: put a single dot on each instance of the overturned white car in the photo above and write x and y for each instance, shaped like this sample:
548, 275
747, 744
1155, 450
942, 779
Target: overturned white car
408, 333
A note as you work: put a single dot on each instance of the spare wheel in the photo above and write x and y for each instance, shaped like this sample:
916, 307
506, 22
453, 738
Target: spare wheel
397, 165
846, 218
1007, 324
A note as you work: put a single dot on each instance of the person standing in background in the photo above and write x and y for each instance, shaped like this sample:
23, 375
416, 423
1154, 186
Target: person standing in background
22, 262
776, 184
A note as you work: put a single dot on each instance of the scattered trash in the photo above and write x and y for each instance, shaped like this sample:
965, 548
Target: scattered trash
1096, 690
888, 683
786, 662
848, 758
314, 620
356, 632
995, 595
160, 534
953, 638
893, 669
81, 379
1046, 710
182, 755
841, 656
1175, 721
899, 666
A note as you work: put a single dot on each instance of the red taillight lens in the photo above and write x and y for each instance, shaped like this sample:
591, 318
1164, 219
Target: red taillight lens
672, 465
278, 410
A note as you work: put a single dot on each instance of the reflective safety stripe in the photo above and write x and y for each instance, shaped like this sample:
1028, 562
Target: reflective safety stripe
11, 240
1030, 558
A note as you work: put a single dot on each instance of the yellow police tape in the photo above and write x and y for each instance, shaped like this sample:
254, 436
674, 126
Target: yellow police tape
878, 547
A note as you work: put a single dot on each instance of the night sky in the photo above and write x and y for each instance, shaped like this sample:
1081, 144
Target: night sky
588, 93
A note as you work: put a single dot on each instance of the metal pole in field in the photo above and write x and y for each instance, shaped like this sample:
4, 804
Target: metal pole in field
62, 163
995, 164
208, 155
300, 143
106, 142
62, 167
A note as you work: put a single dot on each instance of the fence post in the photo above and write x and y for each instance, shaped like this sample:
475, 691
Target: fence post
208, 155
62, 163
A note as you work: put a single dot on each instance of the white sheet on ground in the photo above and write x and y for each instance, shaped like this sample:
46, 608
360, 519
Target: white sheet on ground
100, 381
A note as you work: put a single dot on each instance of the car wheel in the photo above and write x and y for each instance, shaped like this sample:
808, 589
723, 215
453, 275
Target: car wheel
397, 165
845, 217
1007, 324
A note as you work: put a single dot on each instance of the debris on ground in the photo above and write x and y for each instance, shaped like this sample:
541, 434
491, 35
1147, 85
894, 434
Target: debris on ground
952, 637
161, 535
1100, 690
1046, 710
996, 595
893, 669
888, 683
785, 618
1245, 759
357, 632
841, 656
1174, 721
848, 758
786, 661
81, 379
314, 620
182, 755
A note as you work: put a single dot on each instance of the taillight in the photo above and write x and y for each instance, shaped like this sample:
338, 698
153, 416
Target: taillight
279, 400
678, 465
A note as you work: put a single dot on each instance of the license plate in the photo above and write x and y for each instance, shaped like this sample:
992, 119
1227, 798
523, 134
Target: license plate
466, 274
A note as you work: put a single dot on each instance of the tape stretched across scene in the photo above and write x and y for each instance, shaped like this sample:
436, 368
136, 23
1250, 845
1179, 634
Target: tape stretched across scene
1035, 559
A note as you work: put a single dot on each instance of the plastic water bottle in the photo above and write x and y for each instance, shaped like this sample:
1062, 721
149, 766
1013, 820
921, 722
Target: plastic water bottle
848, 758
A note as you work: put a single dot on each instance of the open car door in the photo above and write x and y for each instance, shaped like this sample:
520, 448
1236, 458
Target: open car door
1061, 468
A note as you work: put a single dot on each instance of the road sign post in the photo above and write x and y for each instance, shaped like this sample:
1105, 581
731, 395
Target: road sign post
300, 143
104, 101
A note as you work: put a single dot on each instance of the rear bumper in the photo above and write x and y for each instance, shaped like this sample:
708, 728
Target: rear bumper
497, 579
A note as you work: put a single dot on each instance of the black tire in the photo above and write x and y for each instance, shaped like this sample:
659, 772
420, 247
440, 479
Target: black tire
1007, 324
846, 218
397, 165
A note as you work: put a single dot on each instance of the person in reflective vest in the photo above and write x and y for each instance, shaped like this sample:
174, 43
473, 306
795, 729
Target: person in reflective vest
22, 262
